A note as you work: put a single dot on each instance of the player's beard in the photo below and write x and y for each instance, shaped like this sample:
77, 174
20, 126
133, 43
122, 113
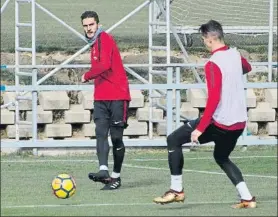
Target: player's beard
89, 35
91, 39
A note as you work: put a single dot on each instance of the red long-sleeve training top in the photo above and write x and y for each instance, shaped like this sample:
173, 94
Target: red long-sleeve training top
107, 70
214, 93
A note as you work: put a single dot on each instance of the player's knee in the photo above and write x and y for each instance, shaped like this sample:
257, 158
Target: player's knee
117, 141
171, 142
117, 136
220, 160
101, 131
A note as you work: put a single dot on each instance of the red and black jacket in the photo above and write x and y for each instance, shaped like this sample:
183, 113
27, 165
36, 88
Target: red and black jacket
107, 70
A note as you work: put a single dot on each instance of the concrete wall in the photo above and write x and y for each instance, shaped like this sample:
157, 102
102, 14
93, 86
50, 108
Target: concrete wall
57, 118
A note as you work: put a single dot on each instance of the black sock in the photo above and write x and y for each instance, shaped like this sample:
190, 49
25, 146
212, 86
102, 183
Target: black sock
102, 127
103, 151
176, 161
118, 155
231, 170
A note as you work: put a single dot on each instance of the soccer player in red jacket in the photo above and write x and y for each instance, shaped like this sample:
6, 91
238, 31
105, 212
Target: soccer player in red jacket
223, 121
111, 99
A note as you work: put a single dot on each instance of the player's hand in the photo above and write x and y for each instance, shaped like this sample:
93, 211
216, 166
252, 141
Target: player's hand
195, 136
83, 79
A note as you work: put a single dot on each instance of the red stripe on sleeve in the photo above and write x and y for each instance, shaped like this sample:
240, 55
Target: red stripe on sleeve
246, 67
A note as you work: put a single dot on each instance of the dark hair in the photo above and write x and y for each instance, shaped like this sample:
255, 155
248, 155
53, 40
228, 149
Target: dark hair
213, 28
90, 14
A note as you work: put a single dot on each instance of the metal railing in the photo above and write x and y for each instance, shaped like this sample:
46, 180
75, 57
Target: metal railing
172, 71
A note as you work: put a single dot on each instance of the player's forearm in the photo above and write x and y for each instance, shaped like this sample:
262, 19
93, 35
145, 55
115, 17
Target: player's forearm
97, 70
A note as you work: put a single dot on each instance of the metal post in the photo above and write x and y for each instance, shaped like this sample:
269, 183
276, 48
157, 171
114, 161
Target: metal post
169, 111
88, 45
178, 98
270, 40
168, 33
150, 69
34, 110
52, 72
133, 65
57, 68
62, 22
16, 69
34, 73
139, 8
143, 80
173, 29
34, 78
244, 133
169, 72
4, 6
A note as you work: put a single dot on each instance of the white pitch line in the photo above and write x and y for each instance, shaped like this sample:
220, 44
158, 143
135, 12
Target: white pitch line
136, 159
73, 205
119, 204
198, 171
140, 167
201, 158
45, 161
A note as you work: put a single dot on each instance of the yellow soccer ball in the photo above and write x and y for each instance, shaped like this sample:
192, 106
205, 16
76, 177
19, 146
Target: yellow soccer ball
63, 186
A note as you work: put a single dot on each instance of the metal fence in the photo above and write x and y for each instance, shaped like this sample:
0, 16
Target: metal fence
159, 22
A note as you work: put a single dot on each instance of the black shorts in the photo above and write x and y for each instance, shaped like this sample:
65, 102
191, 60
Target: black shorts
212, 133
116, 111
225, 140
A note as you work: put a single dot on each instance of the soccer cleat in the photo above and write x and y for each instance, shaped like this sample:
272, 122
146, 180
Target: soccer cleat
114, 184
170, 197
101, 176
246, 204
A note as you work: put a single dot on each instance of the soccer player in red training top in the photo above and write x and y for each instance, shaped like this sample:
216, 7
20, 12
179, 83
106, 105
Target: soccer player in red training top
111, 99
223, 121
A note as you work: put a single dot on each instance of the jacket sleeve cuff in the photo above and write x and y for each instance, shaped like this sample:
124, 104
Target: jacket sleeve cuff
86, 76
200, 128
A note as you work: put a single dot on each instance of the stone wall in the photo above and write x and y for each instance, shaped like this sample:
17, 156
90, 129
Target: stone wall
59, 119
